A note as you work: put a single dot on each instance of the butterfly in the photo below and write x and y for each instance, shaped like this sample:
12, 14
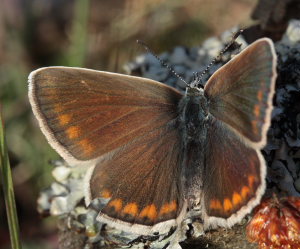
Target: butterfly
154, 151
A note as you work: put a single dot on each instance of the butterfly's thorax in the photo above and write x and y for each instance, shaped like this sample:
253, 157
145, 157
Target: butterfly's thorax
193, 110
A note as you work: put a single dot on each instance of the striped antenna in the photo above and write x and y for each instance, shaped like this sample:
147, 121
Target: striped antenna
198, 76
161, 61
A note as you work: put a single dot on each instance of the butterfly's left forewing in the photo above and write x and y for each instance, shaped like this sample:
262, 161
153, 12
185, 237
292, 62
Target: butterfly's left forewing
85, 114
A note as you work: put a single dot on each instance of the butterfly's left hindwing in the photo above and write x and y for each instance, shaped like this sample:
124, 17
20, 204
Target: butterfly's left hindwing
142, 182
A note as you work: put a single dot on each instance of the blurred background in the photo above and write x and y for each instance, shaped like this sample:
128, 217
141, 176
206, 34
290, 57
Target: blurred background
94, 34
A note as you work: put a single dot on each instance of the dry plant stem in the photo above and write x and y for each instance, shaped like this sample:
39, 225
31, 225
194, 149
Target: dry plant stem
8, 191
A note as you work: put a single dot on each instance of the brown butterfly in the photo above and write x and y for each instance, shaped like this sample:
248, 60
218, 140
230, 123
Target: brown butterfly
153, 150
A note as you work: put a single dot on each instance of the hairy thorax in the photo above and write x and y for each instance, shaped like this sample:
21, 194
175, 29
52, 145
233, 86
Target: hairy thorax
193, 110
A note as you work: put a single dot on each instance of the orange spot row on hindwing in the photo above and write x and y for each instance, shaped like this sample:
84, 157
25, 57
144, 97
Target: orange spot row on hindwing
227, 205
131, 208
150, 211
168, 208
116, 204
237, 198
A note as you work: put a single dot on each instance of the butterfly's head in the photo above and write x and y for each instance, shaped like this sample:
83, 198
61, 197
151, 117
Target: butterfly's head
194, 91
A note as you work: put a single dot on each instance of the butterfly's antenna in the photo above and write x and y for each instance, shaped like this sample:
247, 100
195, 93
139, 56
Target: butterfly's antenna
160, 60
199, 76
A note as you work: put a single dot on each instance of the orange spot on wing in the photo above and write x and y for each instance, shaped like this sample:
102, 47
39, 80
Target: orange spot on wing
73, 132
86, 146
58, 108
245, 192
131, 209
236, 199
116, 204
168, 208
64, 119
260, 95
227, 205
254, 126
251, 180
215, 204
257, 110
149, 212
105, 193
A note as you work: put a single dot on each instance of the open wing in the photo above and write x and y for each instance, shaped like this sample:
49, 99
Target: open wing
240, 93
234, 176
142, 182
85, 113
240, 102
